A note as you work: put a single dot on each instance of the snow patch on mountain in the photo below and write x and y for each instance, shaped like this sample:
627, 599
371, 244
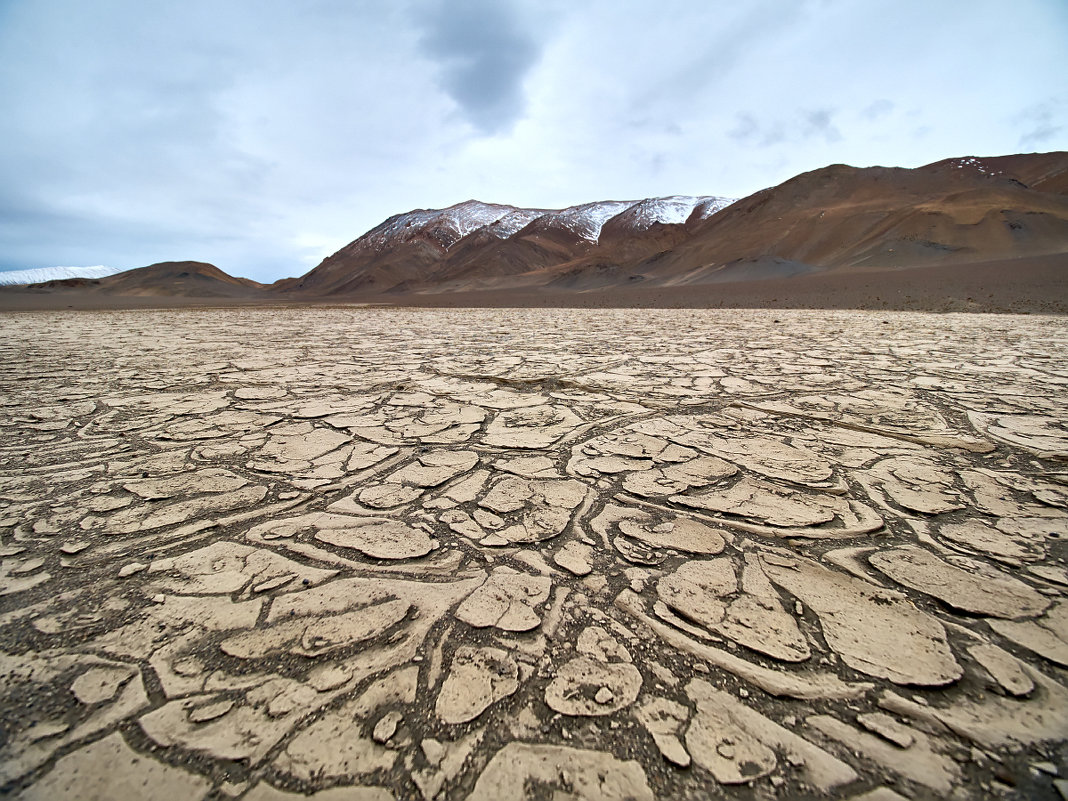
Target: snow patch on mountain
588, 219
514, 221
707, 206
42, 274
975, 164
446, 227
671, 210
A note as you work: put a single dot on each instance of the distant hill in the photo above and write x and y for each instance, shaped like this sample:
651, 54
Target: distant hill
186, 279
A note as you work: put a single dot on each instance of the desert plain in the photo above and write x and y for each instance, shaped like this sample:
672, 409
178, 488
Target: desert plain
356, 553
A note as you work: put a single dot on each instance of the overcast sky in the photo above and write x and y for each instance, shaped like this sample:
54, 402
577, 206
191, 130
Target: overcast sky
263, 135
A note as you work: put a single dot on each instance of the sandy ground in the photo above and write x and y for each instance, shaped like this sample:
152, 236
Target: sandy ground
349, 553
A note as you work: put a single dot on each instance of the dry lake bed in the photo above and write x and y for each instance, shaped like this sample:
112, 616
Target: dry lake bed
366, 554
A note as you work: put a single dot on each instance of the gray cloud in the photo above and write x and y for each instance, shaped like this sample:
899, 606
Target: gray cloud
876, 109
757, 134
1043, 121
483, 52
818, 123
806, 124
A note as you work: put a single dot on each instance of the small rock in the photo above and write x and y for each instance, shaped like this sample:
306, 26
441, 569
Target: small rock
386, 726
604, 696
130, 569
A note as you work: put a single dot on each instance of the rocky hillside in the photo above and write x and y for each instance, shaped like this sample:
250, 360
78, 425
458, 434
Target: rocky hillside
835, 219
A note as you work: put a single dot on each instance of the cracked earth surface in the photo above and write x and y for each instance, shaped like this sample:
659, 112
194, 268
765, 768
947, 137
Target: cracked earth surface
372, 554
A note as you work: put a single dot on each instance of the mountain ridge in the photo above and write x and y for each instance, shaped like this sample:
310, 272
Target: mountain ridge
831, 222
837, 218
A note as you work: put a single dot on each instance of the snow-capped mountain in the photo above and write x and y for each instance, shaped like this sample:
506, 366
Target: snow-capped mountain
446, 227
473, 238
41, 274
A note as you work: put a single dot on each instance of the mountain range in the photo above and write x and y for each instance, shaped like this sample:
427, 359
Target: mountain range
959, 219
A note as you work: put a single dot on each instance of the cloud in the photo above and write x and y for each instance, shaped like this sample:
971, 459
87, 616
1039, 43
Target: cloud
804, 125
1043, 121
483, 52
817, 123
877, 109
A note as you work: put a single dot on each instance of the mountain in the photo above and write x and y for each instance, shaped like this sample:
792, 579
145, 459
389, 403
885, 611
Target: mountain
834, 220
844, 218
169, 279
40, 274
970, 233
473, 243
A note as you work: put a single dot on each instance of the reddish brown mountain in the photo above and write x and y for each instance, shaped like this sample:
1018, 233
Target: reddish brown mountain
847, 219
475, 244
837, 219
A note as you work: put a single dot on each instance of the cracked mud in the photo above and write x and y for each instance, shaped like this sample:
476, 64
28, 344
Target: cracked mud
353, 553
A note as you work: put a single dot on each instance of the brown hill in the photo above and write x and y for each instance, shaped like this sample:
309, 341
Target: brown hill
190, 279
847, 219
169, 283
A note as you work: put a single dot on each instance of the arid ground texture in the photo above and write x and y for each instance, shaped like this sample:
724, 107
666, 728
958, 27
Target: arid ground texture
363, 554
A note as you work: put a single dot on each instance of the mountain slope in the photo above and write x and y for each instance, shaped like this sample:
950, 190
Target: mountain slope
845, 218
833, 220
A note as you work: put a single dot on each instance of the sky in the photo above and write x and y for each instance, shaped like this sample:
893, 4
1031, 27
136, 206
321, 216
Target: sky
264, 135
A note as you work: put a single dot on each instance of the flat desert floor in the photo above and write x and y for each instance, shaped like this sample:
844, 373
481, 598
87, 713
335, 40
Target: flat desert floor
353, 553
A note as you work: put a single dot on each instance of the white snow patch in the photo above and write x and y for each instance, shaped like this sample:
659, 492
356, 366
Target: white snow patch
514, 221
671, 210
588, 219
444, 226
710, 205
972, 162
41, 274
448, 226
